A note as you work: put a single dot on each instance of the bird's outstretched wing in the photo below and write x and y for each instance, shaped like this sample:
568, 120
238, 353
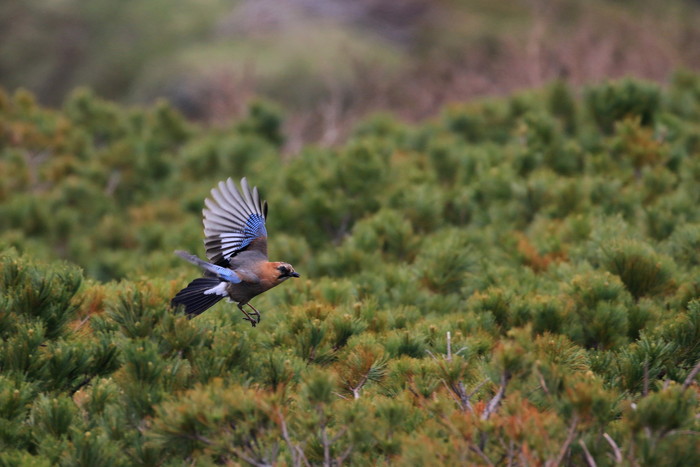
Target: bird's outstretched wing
234, 221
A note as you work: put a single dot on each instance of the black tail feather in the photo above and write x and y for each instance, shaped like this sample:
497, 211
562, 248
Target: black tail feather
193, 297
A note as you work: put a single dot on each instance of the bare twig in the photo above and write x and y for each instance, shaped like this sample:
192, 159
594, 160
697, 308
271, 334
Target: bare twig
453, 393
496, 400
82, 323
363, 380
339, 461
250, 460
691, 376
615, 448
511, 452
481, 454
295, 451
339, 435
645, 389
326, 446
113, 182
567, 443
683, 432
449, 346
589, 459
200, 438
464, 398
478, 386
543, 384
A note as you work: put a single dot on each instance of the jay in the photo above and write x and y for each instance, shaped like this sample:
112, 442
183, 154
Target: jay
236, 246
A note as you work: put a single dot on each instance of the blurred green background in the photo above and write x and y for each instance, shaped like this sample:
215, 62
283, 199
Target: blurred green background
508, 280
330, 62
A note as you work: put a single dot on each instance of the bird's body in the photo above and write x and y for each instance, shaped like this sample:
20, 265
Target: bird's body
236, 242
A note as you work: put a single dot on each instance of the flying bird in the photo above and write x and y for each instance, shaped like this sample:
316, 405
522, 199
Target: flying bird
236, 245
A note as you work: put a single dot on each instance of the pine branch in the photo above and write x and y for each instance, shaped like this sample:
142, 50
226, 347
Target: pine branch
589, 459
464, 398
250, 460
615, 448
460, 396
81, 384
691, 376
363, 380
449, 346
493, 405
296, 452
481, 454
543, 384
645, 388
339, 461
567, 443
82, 323
478, 386
496, 400
326, 446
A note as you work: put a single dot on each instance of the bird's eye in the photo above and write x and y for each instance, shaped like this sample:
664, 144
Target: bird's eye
283, 269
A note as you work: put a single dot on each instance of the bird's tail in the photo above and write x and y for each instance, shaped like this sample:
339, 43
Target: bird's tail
194, 297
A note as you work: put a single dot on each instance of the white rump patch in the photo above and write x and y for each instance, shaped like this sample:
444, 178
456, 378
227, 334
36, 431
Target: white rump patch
218, 290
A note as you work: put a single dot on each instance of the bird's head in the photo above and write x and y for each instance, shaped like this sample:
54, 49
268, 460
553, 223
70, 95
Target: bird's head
284, 271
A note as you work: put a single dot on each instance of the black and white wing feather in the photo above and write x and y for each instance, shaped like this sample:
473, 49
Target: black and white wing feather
234, 221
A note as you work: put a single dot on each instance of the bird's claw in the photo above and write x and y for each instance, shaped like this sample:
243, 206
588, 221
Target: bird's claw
253, 320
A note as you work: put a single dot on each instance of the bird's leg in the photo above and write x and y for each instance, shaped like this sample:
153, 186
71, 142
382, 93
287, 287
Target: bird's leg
257, 313
247, 316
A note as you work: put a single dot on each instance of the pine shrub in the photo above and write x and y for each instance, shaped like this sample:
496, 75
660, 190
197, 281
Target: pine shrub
614, 101
642, 270
513, 282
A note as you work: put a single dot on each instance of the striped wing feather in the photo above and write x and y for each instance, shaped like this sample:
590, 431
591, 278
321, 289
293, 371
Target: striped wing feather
234, 221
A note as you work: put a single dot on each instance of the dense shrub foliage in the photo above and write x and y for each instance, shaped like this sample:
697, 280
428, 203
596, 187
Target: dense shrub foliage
516, 282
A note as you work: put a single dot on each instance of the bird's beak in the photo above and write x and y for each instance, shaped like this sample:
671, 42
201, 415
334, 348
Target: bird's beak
294, 274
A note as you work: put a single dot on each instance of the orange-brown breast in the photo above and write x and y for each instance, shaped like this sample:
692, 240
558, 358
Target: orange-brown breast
244, 291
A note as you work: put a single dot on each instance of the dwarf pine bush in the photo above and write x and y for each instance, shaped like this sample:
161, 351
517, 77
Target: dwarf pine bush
614, 101
512, 282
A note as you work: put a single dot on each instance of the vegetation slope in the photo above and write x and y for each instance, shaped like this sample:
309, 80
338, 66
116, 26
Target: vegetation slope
515, 281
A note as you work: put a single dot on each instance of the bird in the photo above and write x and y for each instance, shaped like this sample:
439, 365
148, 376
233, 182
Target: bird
236, 246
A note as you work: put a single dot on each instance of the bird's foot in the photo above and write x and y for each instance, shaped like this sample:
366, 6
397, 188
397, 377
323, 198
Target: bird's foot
247, 317
255, 312
253, 322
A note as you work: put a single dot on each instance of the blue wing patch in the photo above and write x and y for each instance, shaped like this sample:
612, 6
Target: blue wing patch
233, 221
224, 274
254, 228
